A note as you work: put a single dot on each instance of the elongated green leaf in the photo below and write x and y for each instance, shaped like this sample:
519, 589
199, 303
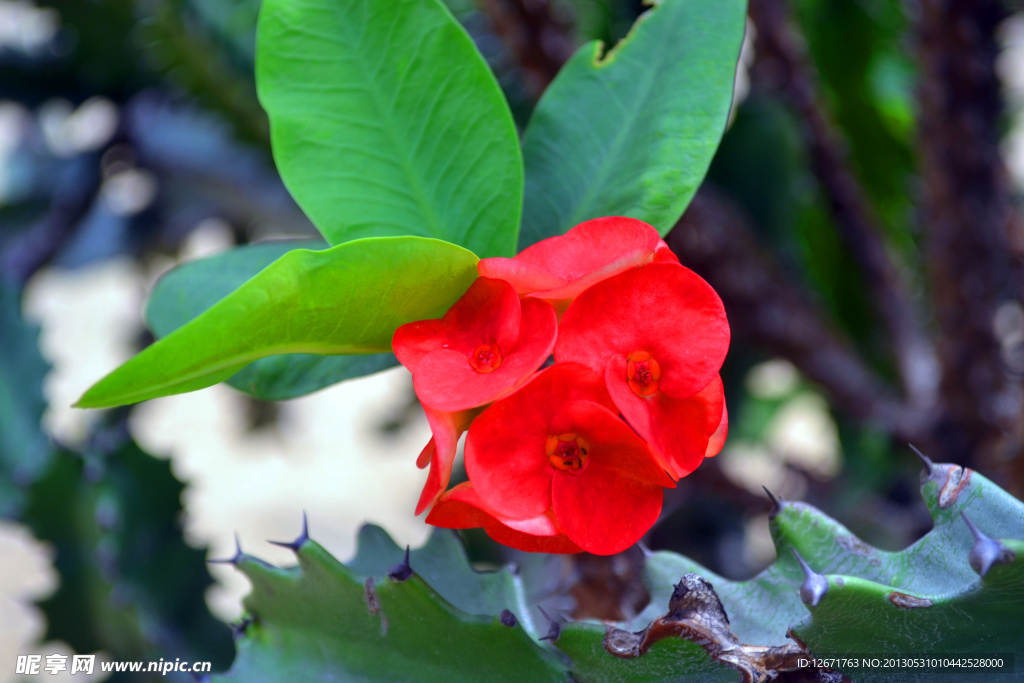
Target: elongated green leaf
385, 120
347, 299
279, 378
188, 290
632, 132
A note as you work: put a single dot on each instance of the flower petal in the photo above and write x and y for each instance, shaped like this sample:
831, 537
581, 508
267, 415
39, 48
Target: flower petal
461, 508
663, 254
593, 246
445, 380
458, 508
488, 313
717, 440
505, 456
661, 308
559, 268
524, 277
602, 512
613, 445
557, 544
442, 447
678, 431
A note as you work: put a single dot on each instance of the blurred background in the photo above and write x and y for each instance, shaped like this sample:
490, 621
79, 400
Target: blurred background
861, 222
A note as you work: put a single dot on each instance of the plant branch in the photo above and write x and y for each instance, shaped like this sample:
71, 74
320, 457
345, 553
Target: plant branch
537, 38
76, 187
967, 218
767, 308
782, 62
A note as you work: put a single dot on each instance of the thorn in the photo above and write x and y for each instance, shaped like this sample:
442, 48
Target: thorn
513, 568
986, 551
199, 678
297, 544
238, 630
554, 629
776, 504
401, 571
814, 587
508, 619
232, 560
929, 466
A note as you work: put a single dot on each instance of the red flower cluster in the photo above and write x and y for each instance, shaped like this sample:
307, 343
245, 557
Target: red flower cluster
573, 457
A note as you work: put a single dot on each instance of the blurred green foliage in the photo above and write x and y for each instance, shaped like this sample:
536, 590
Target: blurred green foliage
130, 586
24, 448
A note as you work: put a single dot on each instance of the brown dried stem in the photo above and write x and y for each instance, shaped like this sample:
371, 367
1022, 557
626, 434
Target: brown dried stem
782, 64
537, 37
767, 308
967, 217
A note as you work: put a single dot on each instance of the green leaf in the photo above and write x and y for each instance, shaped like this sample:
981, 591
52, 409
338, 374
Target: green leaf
672, 659
632, 132
24, 446
927, 598
694, 641
347, 299
279, 378
385, 120
761, 610
983, 616
191, 288
321, 621
443, 564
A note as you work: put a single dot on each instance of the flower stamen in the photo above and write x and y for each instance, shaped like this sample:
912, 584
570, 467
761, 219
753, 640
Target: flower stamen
567, 452
642, 373
485, 358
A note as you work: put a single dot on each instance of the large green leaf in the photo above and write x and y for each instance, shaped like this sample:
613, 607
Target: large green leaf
927, 599
188, 290
347, 299
321, 621
385, 120
632, 132
24, 446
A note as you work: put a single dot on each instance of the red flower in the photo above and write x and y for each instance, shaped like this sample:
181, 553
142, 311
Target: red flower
484, 347
559, 268
558, 444
658, 334
462, 508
